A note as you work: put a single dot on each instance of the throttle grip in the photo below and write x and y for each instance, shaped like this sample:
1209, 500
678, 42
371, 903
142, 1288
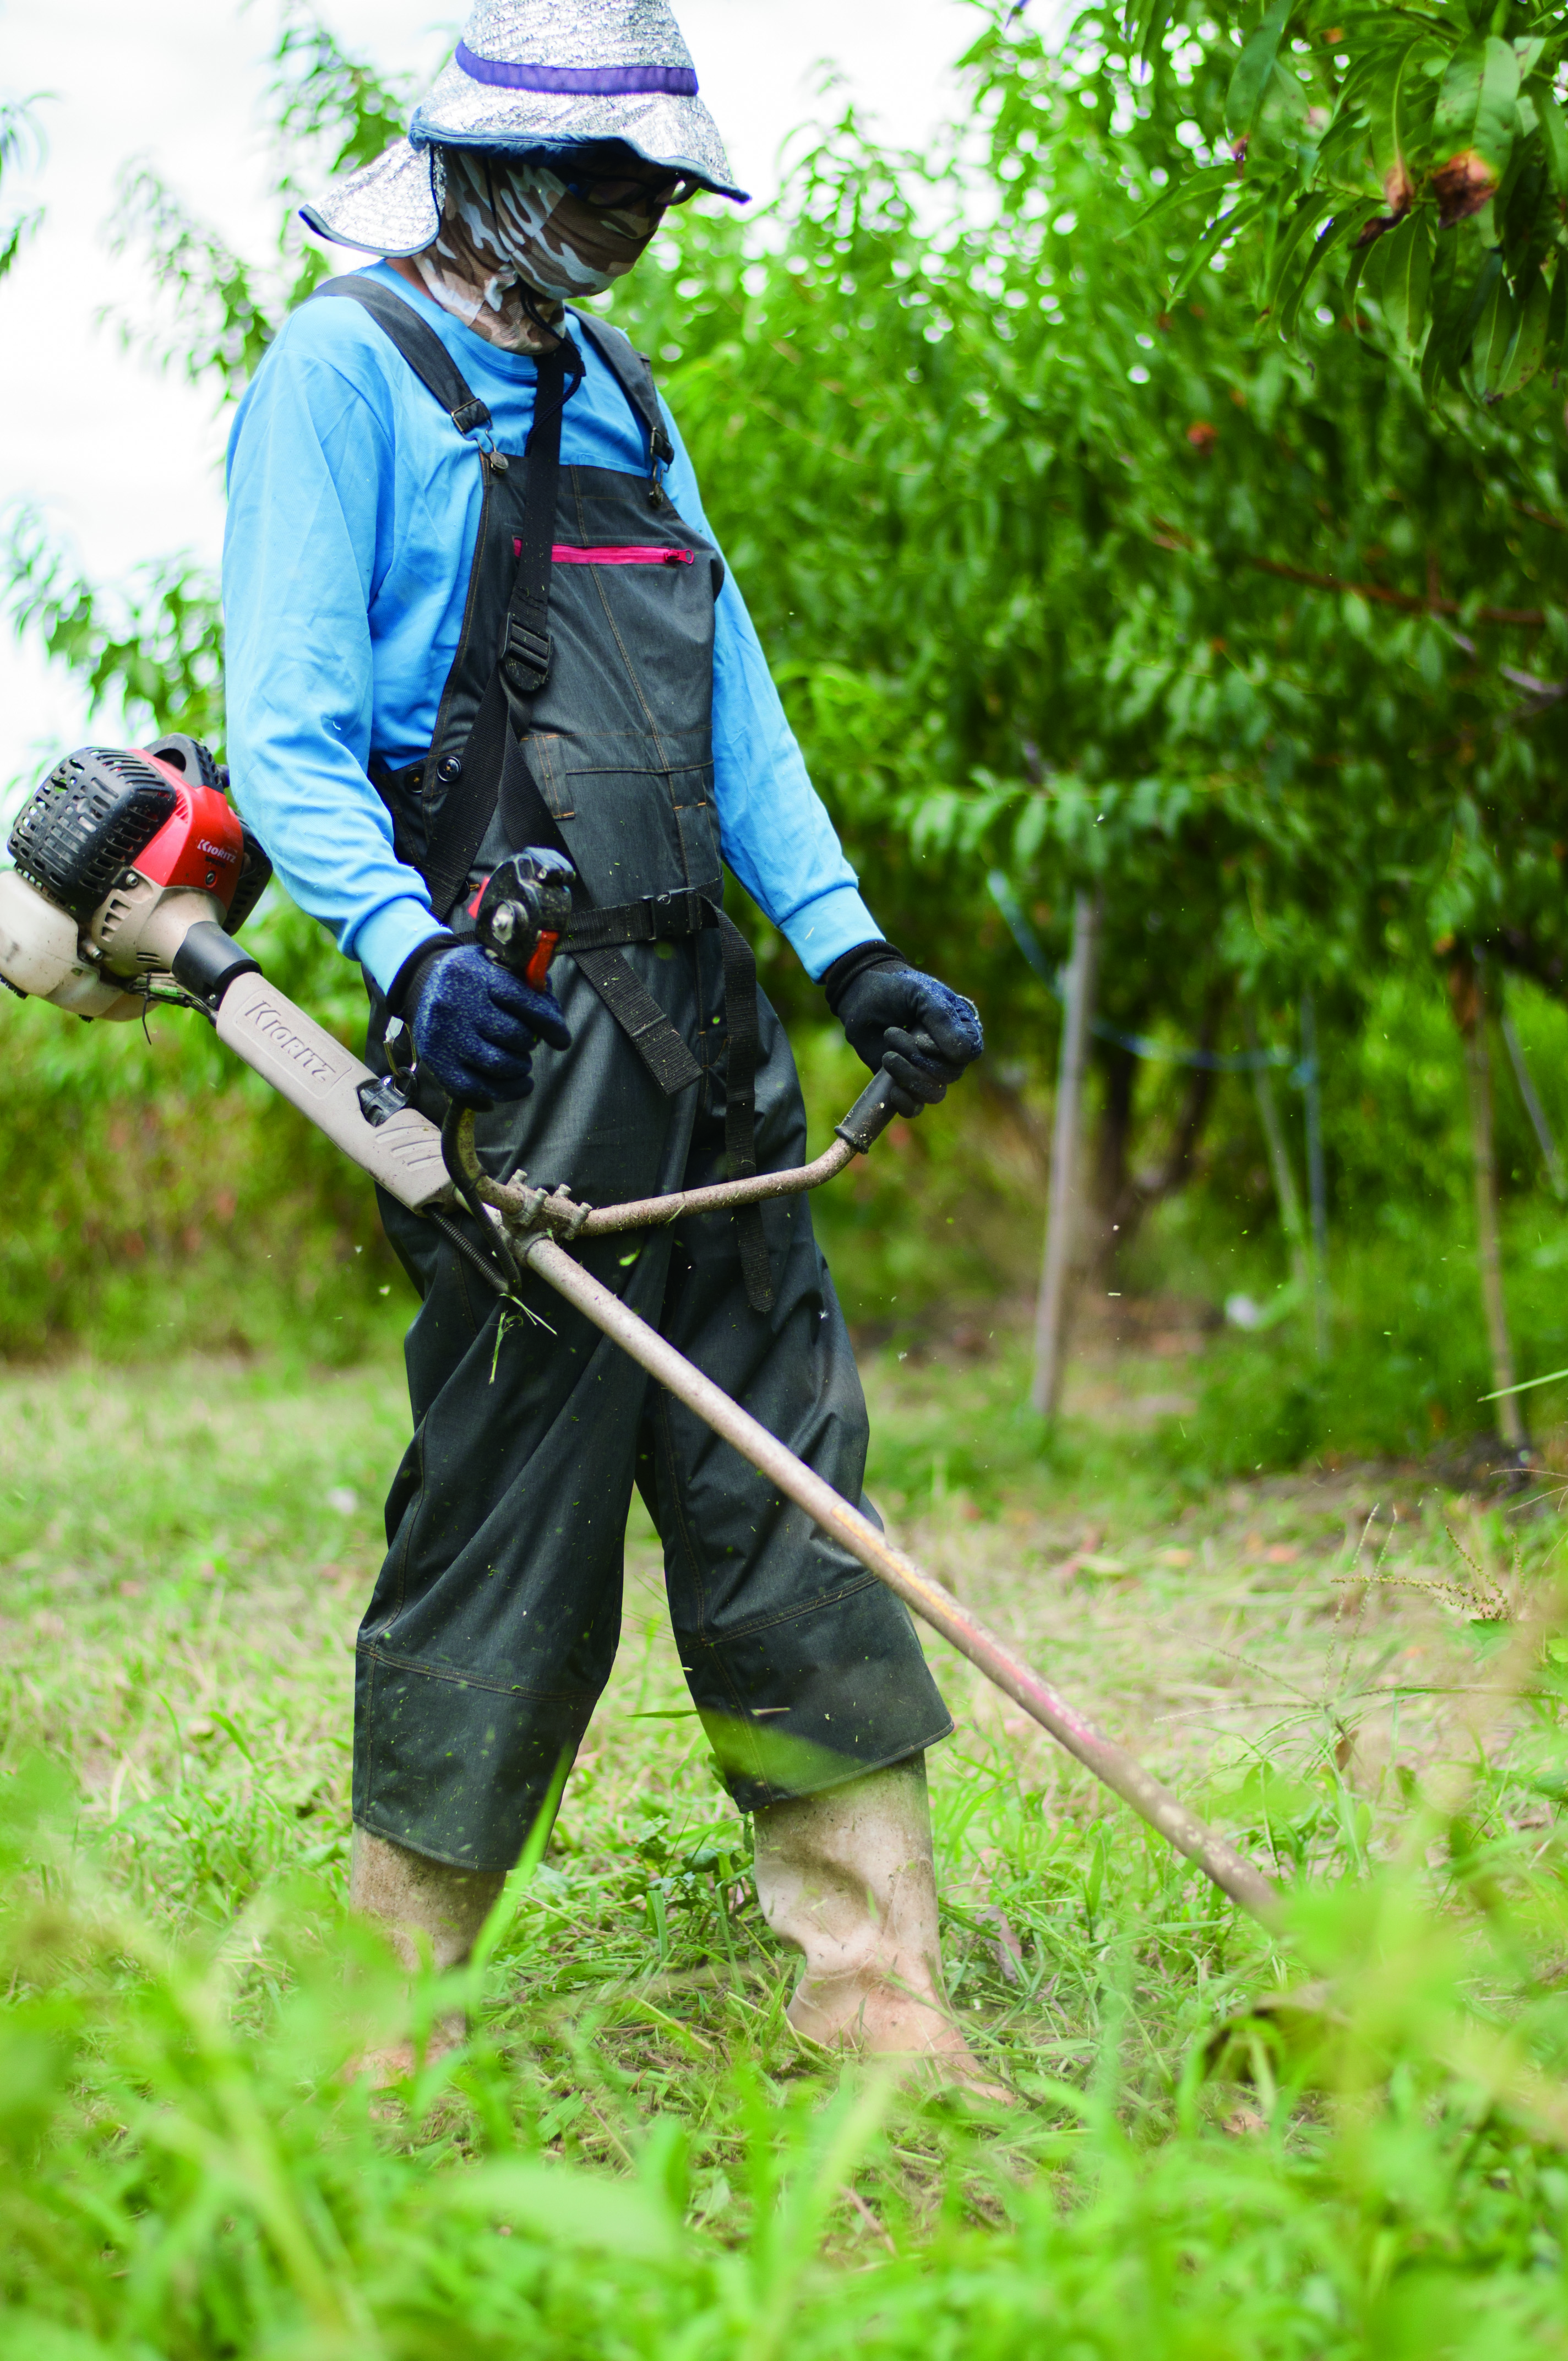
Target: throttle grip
871, 1114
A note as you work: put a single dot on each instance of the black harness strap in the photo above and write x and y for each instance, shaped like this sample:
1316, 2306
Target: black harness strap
420, 347
525, 651
642, 1021
657, 918
635, 372
523, 664
468, 801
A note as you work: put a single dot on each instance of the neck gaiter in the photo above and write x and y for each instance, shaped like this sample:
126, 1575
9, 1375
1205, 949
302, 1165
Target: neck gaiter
515, 245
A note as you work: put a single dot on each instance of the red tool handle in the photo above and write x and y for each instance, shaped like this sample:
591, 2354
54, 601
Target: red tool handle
521, 912
536, 973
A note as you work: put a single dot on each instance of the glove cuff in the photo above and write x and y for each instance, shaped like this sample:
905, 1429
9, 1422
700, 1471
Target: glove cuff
849, 964
402, 996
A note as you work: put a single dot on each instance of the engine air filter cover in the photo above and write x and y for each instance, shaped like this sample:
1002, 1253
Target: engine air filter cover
95, 812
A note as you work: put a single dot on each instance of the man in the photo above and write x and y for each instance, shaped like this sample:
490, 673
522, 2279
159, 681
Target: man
473, 604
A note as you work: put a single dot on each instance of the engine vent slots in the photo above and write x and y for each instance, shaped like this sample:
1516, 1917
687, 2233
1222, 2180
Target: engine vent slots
95, 811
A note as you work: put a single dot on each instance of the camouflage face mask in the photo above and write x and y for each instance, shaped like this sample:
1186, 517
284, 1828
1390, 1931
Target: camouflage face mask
515, 243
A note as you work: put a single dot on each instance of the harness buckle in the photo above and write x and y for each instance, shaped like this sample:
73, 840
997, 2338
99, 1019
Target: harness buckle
673, 916
525, 659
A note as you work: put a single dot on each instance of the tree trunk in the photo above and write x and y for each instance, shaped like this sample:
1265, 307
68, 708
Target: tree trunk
1467, 999
1286, 1194
1196, 1102
1122, 1196
1051, 1311
1113, 1188
1551, 1155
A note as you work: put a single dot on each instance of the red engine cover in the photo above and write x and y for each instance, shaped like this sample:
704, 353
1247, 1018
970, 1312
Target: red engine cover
201, 845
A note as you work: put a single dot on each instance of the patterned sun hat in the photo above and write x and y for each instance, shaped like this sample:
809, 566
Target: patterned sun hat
534, 77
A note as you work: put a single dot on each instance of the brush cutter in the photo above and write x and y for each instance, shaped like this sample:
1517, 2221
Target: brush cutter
133, 874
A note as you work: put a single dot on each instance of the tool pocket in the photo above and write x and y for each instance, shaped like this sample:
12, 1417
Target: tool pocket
635, 811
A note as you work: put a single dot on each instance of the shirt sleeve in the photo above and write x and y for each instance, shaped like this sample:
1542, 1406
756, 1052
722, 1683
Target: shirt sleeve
308, 475
773, 829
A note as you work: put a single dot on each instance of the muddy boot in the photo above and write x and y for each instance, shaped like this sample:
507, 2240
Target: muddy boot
848, 1878
425, 1908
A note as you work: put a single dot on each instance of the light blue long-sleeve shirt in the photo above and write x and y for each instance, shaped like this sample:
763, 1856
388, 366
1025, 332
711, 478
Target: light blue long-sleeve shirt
352, 513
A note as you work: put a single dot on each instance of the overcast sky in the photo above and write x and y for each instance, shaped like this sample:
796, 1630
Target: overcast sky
123, 459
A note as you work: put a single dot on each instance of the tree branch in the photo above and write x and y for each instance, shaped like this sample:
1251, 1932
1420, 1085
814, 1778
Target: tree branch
1531, 619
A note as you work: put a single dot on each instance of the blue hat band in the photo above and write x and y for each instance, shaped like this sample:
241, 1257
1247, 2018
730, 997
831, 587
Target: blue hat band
580, 82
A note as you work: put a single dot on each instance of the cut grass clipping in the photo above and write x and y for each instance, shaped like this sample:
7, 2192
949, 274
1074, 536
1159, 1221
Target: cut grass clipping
633, 2155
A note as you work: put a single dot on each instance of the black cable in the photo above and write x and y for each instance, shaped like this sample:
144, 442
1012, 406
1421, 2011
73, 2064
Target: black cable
477, 1254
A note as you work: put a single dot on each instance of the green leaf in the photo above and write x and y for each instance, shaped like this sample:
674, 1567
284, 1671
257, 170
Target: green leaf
1467, 314
1492, 345
1255, 72
1300, 227
1407, 277
1344, 225
1143, 21
1554, 133
1450, 300
574, 2209
1557, 316
1477, 105
1282, 116
1530, 344
1498, 117
1390, 106
1433, 369
1358, 262
1213, 237
1205, 183
23, 228
1453, 123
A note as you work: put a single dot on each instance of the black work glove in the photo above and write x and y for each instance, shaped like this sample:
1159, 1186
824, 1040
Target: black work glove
918, 1031
475, 1023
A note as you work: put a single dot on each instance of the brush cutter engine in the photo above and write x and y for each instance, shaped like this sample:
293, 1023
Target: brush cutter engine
119, 854
133, 873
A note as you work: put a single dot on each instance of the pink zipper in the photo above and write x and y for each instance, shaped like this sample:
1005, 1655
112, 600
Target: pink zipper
624, 552
618, 554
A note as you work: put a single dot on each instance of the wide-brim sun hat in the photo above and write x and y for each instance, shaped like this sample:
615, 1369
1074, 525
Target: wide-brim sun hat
535, 78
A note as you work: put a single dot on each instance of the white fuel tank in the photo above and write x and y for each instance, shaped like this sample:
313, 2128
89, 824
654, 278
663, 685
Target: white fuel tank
38, 954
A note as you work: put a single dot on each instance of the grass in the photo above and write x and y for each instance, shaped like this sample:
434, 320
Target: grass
1358, 1673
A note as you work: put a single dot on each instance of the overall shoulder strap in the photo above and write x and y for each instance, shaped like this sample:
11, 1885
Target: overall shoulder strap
523, 656
418, 343
633, 372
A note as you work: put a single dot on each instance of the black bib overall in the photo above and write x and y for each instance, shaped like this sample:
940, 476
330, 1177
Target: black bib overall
578, 712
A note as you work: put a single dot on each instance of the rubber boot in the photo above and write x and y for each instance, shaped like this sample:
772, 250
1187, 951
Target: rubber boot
427, 1910
848, 1878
